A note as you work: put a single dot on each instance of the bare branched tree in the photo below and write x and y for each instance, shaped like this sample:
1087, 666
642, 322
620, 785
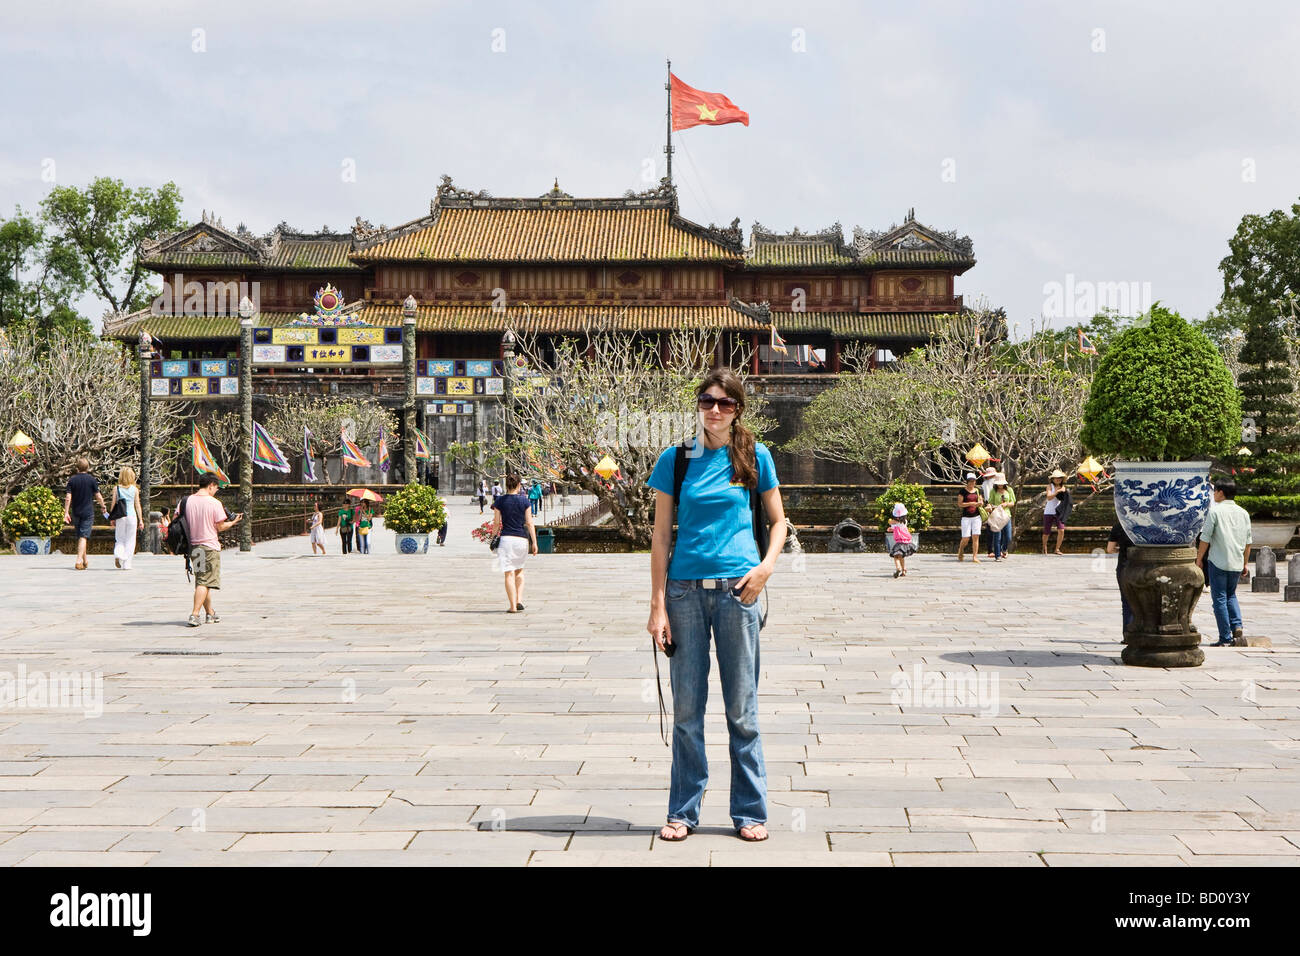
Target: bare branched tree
607, 393
73, 395
1020, 399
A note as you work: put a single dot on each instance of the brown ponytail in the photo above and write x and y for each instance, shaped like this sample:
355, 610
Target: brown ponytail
744, 470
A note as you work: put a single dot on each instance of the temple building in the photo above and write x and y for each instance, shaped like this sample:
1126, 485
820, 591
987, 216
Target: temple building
553, 265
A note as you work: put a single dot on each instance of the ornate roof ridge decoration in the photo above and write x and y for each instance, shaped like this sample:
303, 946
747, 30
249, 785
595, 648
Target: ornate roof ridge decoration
909, 236
450, 197
832, 235
286, 231
729, 237
760, 311
209, 234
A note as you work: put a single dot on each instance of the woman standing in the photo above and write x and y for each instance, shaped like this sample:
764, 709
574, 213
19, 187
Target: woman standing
709, 588
364, 524
344, 529
514, 523
124, 528
1001, 497
1057, 510
317, 529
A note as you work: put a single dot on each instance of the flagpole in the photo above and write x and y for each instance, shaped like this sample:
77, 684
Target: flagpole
668, 149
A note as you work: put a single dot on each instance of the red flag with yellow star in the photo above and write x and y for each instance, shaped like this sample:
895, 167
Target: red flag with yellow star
692, 107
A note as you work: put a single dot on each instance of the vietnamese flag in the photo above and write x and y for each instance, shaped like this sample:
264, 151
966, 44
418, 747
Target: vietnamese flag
692, 107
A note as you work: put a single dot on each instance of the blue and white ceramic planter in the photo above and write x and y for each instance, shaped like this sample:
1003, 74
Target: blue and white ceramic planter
32, 546
1162, 502
412, 543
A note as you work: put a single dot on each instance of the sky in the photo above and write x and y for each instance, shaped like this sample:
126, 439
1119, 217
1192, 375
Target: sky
1088, 149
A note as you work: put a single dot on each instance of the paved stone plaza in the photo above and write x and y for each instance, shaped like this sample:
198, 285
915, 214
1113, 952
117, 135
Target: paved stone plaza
385, 710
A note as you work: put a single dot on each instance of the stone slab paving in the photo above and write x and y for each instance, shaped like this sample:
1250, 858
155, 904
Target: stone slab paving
377, 710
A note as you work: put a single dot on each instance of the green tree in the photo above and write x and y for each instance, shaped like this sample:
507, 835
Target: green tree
40, 278
104, 225
1262, 268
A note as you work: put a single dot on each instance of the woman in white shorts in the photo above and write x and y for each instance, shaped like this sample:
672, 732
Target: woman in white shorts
514, 523
969, 504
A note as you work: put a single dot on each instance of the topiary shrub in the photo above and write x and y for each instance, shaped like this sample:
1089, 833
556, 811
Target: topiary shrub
1162, 393
33, 513
416, 509
919, 509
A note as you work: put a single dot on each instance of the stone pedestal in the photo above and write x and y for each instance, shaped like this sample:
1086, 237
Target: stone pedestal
1265, 576
1162, 586
1292, 579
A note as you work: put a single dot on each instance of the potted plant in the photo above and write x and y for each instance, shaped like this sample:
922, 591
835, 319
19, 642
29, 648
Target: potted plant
1162, 404
411, 514
919, 509
31, 519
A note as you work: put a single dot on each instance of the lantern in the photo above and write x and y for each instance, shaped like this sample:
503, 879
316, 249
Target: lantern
978, 455
606, 467
1089, 469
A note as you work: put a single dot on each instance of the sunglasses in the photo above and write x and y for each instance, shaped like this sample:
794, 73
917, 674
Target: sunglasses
706, 402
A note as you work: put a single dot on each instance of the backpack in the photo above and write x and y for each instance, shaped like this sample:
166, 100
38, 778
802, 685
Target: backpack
178, 536
757, 513
901, 534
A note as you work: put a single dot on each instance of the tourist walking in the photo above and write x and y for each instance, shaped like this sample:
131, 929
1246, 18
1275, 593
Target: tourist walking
79, 500
317, 529
364, 523
535, 496
205, 518
1225, 539
969, 504
709, 590
514, 523
1001, 502
344, 529
482, 495
899, 541
1057, 510
125, 527
1118, 543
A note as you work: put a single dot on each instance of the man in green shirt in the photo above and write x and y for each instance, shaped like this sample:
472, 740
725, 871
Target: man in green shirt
1226, 538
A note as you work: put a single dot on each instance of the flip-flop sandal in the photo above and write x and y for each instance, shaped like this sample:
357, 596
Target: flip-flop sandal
675, 839
751, 839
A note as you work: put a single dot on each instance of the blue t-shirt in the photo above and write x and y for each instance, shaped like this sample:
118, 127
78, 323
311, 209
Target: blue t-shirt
715, 528
513, 508
83, 487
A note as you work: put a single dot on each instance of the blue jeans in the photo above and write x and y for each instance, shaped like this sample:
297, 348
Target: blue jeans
1001, 540
693, 612
1223, 596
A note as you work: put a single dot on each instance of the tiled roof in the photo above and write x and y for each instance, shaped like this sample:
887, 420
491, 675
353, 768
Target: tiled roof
770, 255
772, 250
312, 254
873, 326
603, 233
465, 319
170, 328
910, 257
